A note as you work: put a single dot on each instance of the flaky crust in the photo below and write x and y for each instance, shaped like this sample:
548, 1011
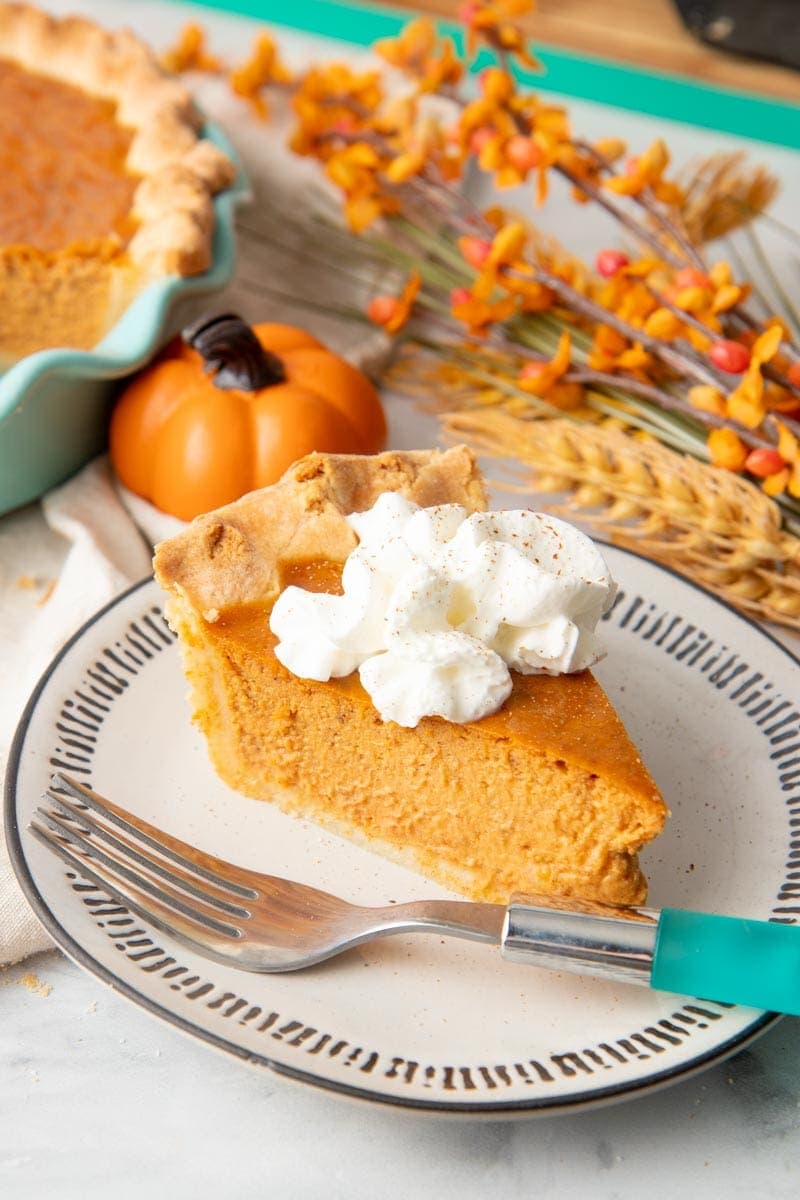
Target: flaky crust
180, 171
236, 554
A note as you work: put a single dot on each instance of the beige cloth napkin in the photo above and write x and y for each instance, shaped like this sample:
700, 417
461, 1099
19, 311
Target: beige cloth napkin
107, 553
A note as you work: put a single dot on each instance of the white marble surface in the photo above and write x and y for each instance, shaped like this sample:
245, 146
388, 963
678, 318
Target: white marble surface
99, 1099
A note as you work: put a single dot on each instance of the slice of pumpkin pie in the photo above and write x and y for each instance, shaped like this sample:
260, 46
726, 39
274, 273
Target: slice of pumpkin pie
369, 648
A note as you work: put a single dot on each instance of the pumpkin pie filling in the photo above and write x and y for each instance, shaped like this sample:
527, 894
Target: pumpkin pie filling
548, 794
104, 183
62, 164
65, 213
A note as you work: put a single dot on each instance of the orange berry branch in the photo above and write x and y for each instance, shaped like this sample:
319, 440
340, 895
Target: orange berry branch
652, 334
658, 324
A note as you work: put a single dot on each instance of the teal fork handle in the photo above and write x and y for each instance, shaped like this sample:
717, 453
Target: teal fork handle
732, 959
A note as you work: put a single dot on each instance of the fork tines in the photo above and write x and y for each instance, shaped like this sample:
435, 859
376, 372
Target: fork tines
159, 877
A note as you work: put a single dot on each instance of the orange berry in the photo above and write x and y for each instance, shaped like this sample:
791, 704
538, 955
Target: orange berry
522, 152
691, 277
475, 250
608, 262
764, 461
381, 309
533, 370
480, 138
731, 357
460, 296
793, 374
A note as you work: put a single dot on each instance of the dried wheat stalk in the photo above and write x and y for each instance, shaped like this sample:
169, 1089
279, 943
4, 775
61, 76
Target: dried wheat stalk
710, 525
722, 193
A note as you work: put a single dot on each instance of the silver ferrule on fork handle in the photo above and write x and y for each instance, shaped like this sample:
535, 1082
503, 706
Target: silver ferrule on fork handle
581, 937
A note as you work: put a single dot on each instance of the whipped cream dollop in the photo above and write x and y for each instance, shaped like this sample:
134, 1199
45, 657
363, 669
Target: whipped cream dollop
438, 608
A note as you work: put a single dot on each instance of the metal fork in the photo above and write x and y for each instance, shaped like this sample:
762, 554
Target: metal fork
265, 923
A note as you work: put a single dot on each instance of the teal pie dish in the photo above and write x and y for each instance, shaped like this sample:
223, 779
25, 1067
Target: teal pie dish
54, 404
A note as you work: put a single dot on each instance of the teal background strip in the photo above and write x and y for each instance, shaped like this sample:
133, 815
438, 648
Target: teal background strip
650, 92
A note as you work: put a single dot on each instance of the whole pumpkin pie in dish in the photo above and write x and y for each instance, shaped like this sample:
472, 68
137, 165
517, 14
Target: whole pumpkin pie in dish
546, 794
105, 181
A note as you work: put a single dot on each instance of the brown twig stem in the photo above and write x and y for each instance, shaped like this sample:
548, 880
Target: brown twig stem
651, 206
668, 402
585, 307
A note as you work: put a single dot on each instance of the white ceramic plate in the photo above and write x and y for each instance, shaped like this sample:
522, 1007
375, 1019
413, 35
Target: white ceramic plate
421, 1022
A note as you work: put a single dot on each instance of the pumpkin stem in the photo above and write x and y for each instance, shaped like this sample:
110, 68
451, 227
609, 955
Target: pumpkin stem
233, 355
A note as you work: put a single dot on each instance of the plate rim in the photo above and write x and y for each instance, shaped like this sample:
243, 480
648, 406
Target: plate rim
536, 1106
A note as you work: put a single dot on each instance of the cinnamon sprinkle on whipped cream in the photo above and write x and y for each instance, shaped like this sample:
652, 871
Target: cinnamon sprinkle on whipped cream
439, 607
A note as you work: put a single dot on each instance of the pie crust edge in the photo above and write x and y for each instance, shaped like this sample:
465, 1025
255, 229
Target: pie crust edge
180, 171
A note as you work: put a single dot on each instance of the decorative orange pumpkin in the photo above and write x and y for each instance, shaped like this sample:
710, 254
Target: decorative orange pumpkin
226, 409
